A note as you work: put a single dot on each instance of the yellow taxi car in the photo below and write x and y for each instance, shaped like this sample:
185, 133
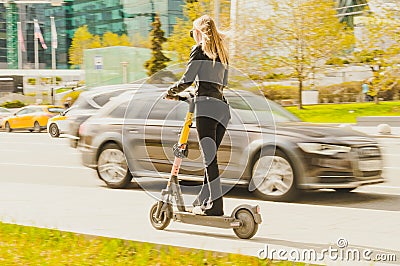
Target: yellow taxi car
33, 117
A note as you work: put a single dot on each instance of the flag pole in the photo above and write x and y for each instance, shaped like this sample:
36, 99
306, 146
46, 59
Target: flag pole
36, 48
53, 44
19, 46
53, 56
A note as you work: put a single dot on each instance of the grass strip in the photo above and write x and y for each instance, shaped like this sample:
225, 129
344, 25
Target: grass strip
25, 245
344, 113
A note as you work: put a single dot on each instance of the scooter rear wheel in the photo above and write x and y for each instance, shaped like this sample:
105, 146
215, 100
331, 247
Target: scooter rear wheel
163, 222
249, 226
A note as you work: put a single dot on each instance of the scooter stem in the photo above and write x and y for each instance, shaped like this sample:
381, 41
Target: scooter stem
182, 145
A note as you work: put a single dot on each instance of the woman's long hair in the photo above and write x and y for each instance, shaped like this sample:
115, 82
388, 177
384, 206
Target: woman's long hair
213, 44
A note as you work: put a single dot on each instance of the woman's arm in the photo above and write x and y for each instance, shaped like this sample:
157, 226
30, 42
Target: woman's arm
226, 73
192, 69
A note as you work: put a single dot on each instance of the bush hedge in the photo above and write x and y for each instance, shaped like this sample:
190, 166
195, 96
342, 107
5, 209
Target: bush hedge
73, 95
344, 92
280, 92
13, 104
337, 93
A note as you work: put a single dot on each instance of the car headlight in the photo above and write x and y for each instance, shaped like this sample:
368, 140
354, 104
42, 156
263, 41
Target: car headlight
324, 149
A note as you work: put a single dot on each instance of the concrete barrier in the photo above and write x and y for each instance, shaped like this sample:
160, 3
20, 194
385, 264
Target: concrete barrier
393, 121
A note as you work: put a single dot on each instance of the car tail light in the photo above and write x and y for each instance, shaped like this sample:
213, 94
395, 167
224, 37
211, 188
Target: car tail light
81, 130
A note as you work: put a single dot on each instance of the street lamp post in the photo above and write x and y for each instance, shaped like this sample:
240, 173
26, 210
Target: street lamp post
376, 73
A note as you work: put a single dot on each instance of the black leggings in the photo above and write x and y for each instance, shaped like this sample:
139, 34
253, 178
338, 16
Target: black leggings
210, 133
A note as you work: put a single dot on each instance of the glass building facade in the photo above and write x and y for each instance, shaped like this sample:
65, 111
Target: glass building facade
131, 17
3, 37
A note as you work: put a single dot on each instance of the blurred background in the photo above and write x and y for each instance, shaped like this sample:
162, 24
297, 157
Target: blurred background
296, 51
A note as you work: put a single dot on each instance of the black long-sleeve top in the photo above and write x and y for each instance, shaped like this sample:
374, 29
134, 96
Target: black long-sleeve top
210, 77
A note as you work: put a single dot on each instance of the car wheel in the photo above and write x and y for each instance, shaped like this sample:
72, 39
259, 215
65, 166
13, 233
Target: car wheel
8, 127
273, 177
112, 167
344, 190
54, 131
36, 127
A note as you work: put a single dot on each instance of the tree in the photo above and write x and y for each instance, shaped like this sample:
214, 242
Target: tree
139, 41
158, 60
82, 40
124, 40
180, 41
96, 42
379, 33
110, 39
296, 35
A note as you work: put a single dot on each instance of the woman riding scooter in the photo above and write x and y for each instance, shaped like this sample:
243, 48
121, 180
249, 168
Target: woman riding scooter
208, 68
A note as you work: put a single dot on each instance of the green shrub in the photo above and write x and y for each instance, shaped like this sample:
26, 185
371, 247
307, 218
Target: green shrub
73, 95
367, 56
280, 92
337, 61
31, 81
269, 76
33, 94
344, 92
13, 104
59, 90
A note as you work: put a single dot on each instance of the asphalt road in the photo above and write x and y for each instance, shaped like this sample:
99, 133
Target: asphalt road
42, 183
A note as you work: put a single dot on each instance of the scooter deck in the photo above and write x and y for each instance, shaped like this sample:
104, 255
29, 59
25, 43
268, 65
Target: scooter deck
214, 221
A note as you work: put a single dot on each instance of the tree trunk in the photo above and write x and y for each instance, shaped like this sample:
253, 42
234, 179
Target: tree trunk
376, 98
300, 105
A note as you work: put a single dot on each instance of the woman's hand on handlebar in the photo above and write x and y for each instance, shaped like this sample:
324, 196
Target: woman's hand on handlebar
170, 97
174, 97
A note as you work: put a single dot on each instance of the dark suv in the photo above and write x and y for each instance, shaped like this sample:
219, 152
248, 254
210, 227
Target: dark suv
88, 103
265, 148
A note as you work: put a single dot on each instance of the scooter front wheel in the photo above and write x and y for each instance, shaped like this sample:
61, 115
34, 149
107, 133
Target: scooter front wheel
163, 221
249, 226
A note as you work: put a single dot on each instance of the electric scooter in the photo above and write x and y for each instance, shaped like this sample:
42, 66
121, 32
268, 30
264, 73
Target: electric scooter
244, 219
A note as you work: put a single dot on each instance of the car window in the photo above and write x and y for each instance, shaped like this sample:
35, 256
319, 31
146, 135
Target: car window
20, 112
119, 111
102, 99
2, 110
55, 110
82, 103
254, 109
164, 110
151, 108
23, 111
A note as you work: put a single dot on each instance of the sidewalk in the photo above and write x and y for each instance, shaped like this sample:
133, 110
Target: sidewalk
124, 214
373, 131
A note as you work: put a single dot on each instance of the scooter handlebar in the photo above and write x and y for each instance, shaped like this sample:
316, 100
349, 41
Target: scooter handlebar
184, 96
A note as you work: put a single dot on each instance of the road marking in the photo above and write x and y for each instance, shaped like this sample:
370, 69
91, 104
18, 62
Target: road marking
387, 186
11, 150
34, 143
45, 165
